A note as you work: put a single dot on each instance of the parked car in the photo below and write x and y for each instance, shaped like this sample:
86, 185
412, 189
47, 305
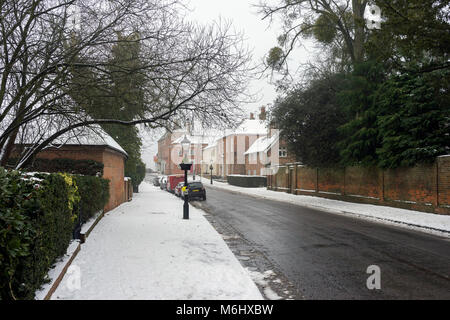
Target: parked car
194, 190
172, 182
178, 189
156, 181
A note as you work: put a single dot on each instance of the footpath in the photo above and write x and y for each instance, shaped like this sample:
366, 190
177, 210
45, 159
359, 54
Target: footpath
143, 249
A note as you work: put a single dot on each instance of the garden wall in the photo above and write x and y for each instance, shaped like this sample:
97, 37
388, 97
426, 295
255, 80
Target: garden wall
424, 187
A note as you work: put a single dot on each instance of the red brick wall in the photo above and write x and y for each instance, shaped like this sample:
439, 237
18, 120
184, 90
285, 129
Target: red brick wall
443, 172
416, 184
73, 152
306, 178
114, 172
425, 187
331, 180
365, 182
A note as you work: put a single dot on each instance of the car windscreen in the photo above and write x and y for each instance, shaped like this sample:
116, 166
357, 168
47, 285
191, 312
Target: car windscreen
195, 185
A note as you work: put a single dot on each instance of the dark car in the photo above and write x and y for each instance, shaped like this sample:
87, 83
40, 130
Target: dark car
156, 181
195, 190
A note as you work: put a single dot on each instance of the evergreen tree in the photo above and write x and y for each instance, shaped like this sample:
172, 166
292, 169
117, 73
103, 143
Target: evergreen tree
120, 97
360, 134
308, 118
414, 126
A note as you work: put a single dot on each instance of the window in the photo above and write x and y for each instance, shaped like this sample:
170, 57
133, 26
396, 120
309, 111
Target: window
282, 152
192, 152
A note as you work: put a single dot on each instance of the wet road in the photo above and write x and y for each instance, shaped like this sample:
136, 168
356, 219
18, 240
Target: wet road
326, 255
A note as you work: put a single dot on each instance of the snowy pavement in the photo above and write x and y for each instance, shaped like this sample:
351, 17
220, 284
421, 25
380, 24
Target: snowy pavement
426, 222
143, 249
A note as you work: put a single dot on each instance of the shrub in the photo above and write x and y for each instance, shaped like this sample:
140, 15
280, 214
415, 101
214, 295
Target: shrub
37, 216
84, 167
36, 228
247, 181
18, 203
94, 193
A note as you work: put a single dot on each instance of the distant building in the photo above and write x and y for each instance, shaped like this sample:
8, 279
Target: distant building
267, 152
250, 149
170, 153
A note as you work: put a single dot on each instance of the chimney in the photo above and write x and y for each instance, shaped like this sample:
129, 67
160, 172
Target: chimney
252, 116
262, 115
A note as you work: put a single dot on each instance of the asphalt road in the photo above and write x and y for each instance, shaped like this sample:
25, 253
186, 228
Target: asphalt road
326, 255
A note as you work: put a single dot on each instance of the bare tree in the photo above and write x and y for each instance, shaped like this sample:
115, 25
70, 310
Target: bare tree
337, 24
55, 50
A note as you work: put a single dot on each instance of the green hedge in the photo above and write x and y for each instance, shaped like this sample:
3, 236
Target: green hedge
247, 181
37, 217
84, 167
94, 193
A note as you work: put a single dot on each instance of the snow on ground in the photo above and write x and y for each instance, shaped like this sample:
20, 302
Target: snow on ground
143, 249
427, 222
56, 270
263, 280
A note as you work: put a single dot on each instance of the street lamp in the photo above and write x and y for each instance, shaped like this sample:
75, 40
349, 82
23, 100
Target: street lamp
211, 168
186, 166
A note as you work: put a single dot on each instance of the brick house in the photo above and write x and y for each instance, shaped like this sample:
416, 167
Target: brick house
99, 147
170, 151
267, 152
228, 151
164, 156
232, 146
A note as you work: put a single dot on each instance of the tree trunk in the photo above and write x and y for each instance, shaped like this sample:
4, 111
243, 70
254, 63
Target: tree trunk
8, 147
359, 7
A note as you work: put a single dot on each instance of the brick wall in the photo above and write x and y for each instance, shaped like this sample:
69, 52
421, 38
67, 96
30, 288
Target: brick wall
424, 188
331, 180
416, 184
114, 172
443, 186
306, 179
365, 182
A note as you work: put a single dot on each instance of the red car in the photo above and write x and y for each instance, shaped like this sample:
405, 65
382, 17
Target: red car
172, 182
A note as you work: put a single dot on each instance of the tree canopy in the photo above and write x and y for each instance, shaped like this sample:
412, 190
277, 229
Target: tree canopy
391, 104
308, 118
183, 68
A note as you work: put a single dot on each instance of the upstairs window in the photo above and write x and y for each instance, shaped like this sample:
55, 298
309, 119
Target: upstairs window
282, 152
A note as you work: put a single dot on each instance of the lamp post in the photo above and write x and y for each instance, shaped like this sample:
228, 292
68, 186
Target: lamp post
186, 166
211, 168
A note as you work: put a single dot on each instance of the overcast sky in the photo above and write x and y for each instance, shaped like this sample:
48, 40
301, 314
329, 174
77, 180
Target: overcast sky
260, 37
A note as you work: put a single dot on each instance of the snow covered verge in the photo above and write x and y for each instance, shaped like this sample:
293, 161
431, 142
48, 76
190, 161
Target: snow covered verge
55, 272
143, 249
426, 222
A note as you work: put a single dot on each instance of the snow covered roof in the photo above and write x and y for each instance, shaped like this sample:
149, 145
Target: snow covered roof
262, 144
193, 139
211, 145
90, 137
249, 126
